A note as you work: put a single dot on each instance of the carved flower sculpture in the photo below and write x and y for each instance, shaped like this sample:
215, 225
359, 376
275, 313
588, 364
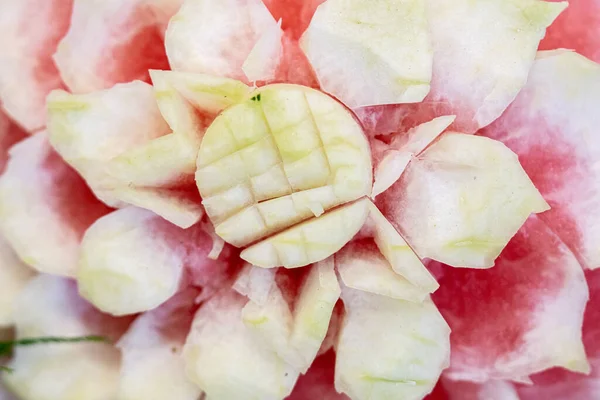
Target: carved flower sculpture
300, 199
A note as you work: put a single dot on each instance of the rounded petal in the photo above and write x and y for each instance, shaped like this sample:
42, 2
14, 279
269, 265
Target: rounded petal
462, 200
216, 37
132, 260
30, 31
39, 187
558, 146
113, 41
520, 317
371, 52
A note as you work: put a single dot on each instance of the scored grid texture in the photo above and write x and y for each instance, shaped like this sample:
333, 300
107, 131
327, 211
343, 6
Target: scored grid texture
268, 166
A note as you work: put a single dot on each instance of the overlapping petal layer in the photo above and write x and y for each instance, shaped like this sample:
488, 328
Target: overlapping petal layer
30, 32
553, 126
113, 41
253, 333
39, 186
520, 317
50, 307
482, 53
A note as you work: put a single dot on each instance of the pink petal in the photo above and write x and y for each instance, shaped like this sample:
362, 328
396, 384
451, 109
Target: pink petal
112, 42
553, 126
215, 37
39, 187
560, 384
482, 55
10, 133
318, 381
30, 31
520, 317
295, 14
577, 28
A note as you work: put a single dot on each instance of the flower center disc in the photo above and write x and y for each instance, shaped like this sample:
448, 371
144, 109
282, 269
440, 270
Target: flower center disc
286, 154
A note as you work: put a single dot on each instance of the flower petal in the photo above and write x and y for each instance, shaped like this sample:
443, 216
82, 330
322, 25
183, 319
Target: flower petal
39, 186
50, 306
14, 276
216, 37
462, 200
294, 318
226, 361
577, 28
558, 383
520, 317
490, 390
403, 148
30, 31
370, 52
262, 61
113, 41
482, 55
152, 366
10, 134
318, 381
132, 260
552, 126
118, 140
389, 348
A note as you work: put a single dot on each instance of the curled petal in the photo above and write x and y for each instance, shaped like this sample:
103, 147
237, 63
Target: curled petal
403, 148
462, 200
14, 276
262, 61
558, 145
216, 37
